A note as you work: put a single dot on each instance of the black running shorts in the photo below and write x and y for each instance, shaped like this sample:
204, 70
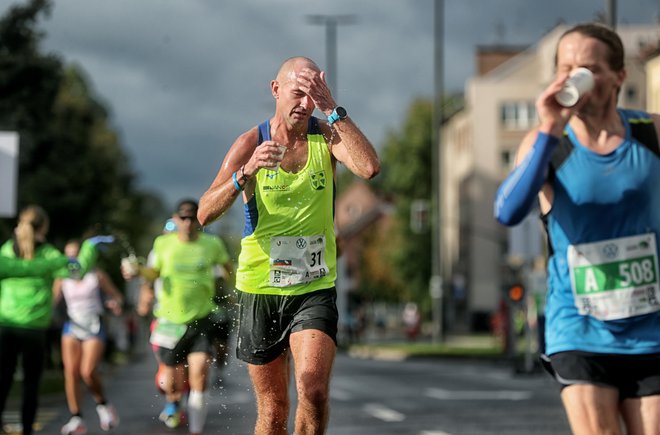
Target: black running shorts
632, 375
265, 322
196, 339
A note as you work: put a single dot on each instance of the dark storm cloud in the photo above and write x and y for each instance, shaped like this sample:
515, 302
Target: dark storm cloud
184, 78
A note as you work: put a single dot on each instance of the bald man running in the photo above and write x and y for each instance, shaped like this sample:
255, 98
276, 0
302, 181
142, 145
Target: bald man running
284, 170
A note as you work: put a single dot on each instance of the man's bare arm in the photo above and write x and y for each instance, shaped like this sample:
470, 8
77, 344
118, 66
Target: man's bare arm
222, 193
354, 150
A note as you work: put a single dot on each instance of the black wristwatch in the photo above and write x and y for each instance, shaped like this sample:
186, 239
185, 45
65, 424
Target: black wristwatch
338, 113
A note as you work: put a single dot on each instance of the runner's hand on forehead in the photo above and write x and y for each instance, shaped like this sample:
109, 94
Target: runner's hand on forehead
313, 84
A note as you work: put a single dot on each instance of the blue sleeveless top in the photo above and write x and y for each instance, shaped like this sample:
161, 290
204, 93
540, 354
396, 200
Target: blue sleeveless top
600, 197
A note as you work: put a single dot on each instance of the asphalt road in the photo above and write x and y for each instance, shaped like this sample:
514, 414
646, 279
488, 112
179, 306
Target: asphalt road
368, 397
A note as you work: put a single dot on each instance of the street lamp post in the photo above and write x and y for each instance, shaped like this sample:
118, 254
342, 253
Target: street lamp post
611, 14
331, 22
436, 284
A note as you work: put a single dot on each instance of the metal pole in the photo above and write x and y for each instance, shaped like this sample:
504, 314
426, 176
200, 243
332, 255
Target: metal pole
331, 22
611, 14
331, 53
436, 283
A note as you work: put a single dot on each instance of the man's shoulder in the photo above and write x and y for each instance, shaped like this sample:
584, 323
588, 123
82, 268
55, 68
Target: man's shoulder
635, 116
165, 239
249, 137
644, 128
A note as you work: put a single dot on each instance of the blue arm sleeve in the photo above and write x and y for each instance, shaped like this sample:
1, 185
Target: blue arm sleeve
515, 196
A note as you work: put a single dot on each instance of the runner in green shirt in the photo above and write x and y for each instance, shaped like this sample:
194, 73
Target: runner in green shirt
26, 306
185, 262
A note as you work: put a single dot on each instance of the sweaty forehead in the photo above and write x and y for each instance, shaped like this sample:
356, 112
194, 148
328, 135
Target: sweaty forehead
290, 70
578, 49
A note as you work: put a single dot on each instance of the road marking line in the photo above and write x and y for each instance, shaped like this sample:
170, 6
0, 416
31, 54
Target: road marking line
237, 397
433, 432
339, 394
383, 413
441, 394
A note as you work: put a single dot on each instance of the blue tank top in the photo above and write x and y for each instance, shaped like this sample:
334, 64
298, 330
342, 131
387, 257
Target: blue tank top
597, 198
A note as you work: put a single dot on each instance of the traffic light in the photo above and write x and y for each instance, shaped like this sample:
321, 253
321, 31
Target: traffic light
516, 293
419, 216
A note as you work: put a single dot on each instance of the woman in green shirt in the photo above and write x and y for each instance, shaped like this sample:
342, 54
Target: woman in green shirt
26, 304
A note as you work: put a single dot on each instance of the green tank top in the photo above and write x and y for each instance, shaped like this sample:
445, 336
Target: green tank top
288, 245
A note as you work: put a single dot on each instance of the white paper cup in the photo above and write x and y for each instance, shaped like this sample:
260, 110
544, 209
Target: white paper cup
580, 81
130, 266
281, 150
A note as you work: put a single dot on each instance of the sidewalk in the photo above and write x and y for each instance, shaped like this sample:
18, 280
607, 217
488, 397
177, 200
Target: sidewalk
398, 348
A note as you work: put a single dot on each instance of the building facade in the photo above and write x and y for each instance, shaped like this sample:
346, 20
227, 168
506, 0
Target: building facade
478, 150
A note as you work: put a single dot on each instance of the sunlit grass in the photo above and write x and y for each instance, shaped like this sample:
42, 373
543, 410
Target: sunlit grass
486, 347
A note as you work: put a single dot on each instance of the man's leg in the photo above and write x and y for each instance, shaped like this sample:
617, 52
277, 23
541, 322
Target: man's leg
271, 388
198, 366
642, 415
313, 355
174, 378
592, 409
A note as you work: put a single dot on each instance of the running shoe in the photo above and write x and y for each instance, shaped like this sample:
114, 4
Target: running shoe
108, 418
74, 426
170, 415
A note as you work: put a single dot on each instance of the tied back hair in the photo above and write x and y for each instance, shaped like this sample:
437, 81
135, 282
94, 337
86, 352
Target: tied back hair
31, 220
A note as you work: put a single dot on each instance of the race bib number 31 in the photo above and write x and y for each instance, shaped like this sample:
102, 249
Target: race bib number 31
616, 278
296, 260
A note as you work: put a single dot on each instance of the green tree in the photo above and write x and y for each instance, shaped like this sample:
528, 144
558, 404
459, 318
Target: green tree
71, 159
400, 261
407, 176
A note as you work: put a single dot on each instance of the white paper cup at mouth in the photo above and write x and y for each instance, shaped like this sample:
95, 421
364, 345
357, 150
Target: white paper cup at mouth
281, 150
580, 81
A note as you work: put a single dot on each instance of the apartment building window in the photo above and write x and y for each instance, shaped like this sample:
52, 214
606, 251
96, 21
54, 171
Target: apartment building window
518, 115
507, 158
631, 93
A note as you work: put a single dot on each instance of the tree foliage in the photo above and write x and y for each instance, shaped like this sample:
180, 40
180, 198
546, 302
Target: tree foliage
407, 176
71, 158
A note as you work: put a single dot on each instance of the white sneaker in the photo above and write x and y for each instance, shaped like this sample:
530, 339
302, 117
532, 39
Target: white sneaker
108, 418
74, 426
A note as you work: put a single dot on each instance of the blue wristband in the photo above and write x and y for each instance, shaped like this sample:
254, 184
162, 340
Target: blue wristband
236, 185
333, 117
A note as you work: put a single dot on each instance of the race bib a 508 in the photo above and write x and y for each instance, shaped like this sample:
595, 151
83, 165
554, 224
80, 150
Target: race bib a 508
616, 278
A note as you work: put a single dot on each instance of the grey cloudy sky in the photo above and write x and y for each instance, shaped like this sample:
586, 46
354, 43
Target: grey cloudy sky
184, 78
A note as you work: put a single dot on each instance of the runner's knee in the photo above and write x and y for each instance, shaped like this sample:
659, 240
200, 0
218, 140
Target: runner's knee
87, 375
312, 390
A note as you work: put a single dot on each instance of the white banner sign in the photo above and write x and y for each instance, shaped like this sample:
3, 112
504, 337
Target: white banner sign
8, 172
